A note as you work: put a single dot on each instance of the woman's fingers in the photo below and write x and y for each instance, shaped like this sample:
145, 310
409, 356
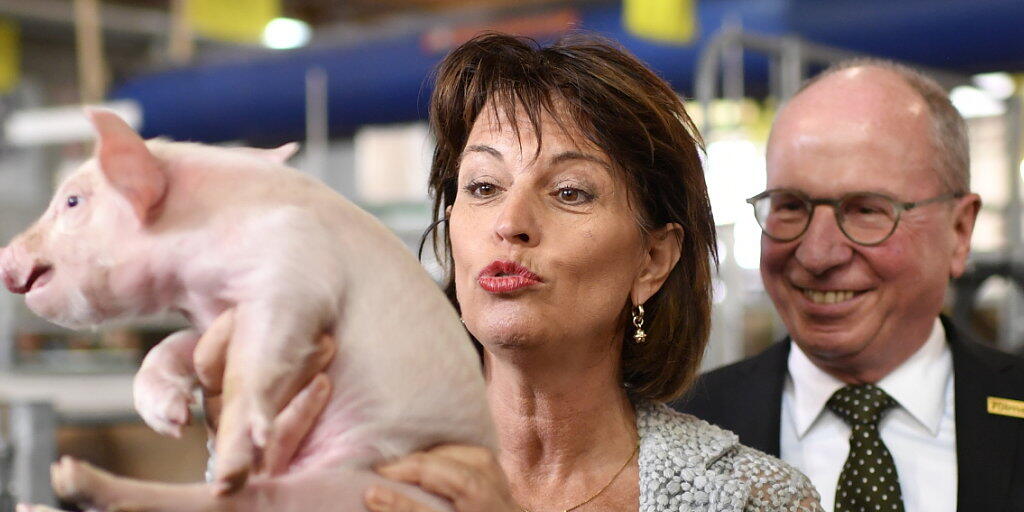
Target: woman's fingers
210, 355
433, 473
289, 427
382, 499
468, 476
326, 347
210, 360
294, 422
476, 456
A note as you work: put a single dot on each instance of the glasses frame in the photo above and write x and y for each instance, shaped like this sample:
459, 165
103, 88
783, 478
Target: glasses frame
810, 203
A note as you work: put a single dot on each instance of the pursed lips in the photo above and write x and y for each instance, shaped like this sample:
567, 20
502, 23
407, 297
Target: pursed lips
506, 276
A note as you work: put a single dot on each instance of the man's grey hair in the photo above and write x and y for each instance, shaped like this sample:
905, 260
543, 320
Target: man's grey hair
949, 131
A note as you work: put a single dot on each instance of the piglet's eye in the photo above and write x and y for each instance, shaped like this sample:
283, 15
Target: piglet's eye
73, 201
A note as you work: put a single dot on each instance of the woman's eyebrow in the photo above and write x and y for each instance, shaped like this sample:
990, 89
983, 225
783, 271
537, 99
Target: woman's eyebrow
481, 148
576, 155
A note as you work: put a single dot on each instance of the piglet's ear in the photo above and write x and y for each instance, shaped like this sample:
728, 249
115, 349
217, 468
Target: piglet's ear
282, 153
127, 163
279, 155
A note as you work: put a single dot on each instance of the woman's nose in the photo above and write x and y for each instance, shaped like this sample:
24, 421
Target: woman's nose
517, 221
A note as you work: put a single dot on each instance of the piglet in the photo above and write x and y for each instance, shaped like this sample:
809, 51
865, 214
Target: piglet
151, 226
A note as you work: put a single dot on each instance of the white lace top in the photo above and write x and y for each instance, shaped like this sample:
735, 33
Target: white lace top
687, 464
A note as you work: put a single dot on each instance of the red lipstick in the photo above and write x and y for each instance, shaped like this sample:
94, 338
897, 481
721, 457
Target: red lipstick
505, 277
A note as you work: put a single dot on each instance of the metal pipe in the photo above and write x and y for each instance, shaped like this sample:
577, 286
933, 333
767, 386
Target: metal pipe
117, 18
799, 51
317, 123
92, 82
7, 500
791, 68
732, 63
61, 125
33, 428
1013, 212
7, 346
706, 79
182, 46
1011, 332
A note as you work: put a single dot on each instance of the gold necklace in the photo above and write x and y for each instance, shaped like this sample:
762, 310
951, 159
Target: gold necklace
606, 486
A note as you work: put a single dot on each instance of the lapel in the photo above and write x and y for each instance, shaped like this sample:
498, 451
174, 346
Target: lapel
986, 444
765, 378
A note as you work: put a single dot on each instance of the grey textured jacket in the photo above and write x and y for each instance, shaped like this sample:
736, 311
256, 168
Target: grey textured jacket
687, 464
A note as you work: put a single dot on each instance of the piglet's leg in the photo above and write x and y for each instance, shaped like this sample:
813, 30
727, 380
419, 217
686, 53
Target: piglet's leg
97, 490
163, 386
276, 347
333, 490
25, 507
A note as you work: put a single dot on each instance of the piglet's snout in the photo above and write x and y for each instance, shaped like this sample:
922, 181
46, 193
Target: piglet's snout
19, 274
7, 270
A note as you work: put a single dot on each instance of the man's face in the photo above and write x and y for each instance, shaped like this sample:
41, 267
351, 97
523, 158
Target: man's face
859, 311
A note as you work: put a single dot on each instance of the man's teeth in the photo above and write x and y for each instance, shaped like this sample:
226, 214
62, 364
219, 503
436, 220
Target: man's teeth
829, 297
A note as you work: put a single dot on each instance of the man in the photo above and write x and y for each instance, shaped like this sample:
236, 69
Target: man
868, 215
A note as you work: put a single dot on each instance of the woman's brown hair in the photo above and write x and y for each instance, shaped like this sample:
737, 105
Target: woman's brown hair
632, 115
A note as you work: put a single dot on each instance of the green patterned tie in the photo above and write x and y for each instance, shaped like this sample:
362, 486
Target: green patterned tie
868, 481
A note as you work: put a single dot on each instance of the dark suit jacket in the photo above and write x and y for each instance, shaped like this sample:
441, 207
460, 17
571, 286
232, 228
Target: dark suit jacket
746, 397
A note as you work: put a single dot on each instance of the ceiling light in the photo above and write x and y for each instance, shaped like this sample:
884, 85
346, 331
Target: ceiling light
973, 102
999, 85
286, 33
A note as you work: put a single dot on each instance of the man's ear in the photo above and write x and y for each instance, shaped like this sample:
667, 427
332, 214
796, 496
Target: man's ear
127, 163
662, 254
965, 214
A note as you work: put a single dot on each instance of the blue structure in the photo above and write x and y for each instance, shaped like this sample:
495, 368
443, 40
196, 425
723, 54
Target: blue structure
385, 81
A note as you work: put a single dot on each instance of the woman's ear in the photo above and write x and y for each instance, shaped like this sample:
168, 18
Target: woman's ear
666, 244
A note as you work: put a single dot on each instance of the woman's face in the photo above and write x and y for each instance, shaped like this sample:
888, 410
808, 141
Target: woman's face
546, 247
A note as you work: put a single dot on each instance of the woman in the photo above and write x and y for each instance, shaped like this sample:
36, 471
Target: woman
579, 242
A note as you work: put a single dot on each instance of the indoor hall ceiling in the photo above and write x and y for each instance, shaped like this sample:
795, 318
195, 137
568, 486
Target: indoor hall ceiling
328, 12
135, 32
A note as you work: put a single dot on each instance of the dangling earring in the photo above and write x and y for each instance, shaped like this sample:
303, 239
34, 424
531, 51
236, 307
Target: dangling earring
638, 321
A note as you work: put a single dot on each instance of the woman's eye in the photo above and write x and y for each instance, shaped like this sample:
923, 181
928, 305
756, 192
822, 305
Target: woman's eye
72, 201
573, 196
481, 190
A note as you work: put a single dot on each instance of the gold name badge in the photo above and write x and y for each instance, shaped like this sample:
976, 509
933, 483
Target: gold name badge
1005, 407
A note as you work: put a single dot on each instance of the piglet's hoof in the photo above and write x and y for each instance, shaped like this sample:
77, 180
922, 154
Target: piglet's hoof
81, 483
25, 507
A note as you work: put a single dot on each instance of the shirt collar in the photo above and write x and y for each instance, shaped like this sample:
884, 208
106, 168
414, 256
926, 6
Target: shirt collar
918, 385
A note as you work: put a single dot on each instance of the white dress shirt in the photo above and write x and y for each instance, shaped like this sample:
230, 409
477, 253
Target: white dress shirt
920, 431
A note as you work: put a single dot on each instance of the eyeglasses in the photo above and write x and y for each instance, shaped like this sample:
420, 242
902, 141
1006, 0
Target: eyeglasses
865, 218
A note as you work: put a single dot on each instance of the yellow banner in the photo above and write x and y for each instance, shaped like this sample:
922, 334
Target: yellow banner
1005, 407
673, 21
236, 21
10, 56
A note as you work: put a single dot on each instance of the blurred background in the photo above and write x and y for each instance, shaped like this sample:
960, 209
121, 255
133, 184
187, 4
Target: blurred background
350, 79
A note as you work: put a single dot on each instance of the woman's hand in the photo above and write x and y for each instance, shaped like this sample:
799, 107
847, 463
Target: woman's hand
291, 425
468, 476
